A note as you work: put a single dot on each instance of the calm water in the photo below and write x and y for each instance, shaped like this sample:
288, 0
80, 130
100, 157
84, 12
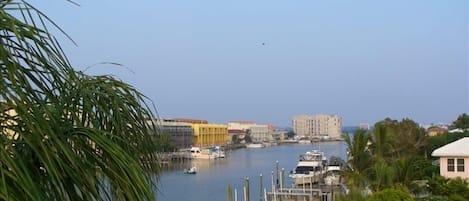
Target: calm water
213, 176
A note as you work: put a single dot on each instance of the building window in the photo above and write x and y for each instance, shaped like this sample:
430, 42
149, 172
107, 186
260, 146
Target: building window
450, 165
460, 165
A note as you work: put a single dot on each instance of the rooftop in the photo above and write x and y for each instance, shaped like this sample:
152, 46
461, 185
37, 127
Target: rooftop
456, 148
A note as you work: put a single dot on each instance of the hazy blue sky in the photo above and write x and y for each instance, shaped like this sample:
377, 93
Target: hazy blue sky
362, 60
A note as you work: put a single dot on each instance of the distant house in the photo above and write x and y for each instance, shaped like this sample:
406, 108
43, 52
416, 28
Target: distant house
454, 159
432, 131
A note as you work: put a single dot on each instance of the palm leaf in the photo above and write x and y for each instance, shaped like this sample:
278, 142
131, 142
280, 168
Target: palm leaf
66, 135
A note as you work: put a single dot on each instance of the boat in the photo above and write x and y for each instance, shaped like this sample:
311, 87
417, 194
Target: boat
255, 145
311, 166
304, 141
192, 170
218, 152
201, 153
334, 166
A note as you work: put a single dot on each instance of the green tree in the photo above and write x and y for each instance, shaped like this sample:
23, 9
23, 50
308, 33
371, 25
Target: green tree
164, 143
453, 189
235, 139
381, 140
359, 158
381, 175
462, 121
353, 195
66, 135
291, 134
390, 195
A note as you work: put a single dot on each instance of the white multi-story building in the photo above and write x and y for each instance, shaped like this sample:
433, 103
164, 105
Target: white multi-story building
240, 125
318, 126
260, 133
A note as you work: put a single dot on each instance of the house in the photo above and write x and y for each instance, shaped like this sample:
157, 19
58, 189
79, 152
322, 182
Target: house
435, 130
454, 159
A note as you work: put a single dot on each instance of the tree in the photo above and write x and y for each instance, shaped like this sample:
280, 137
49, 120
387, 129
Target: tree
462, 121
291, 134
164, 143
66, 135
235, 139
360, 160
390, 195
381, 140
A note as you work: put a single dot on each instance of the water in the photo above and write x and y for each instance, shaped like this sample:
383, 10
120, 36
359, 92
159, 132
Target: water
213, 176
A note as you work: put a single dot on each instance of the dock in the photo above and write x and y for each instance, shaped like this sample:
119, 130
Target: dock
171, 157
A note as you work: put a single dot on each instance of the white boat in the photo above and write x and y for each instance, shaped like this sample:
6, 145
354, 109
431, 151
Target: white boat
311, 166
201, 153
334, 166
255, 145
192, 170
218, 152
304, 141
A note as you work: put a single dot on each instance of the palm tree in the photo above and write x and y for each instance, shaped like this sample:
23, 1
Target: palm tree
66, 135
359, 158
381, 145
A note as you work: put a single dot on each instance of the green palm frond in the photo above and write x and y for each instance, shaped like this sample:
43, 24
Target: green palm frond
66, 135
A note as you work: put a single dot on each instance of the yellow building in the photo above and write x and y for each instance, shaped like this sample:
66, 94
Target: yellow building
206, 135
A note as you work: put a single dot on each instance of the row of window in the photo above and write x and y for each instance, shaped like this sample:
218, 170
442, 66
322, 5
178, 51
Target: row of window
455, 165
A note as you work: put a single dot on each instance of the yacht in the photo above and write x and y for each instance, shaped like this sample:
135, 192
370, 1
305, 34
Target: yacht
255, 145
304, 141
201, 153
218, 152
334, 166
311, 166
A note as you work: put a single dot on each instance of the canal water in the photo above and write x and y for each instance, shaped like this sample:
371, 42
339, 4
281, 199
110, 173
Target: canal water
213, 176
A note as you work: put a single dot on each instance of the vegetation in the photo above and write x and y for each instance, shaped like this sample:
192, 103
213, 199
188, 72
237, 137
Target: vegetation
397, 155
164, 143
291, 134
66, 135
462, 121
390, 195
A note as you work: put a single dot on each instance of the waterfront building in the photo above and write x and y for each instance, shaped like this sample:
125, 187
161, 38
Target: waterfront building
240, 134
181, 133
318, 126
257, 132
279, 135
206, 135
240, 125
454, 159
191, 121
260, 133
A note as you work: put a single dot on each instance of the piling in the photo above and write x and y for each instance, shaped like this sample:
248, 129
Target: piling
261, 194
246, 189
229, 193
276, 168
282, 178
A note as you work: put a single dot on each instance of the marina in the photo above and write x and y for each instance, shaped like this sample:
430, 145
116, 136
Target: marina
255, 165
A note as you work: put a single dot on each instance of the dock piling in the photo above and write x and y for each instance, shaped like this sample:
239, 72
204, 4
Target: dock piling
229, 193
246, 189
261, 187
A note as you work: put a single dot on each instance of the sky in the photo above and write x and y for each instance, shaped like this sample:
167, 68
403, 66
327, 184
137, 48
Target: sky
270, 60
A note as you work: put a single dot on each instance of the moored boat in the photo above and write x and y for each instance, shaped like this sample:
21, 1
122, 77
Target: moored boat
334, 166
218, 152
311, 166
255, 145
201, 153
